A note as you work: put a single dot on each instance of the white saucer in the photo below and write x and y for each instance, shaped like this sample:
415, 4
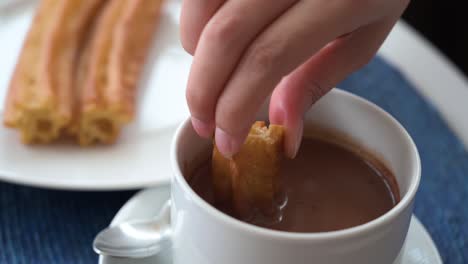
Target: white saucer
419, 247
141, 156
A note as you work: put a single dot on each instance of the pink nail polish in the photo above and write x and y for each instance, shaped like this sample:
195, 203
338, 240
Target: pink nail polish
227, 144
202, 128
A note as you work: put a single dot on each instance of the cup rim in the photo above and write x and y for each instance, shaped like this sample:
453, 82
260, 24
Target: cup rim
298, 236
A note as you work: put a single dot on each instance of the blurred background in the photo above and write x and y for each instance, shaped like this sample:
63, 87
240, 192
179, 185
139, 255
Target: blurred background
444, 24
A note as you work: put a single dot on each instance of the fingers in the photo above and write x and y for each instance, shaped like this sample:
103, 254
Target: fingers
194, 16
223, 40
299, 90
293, 38
236, 63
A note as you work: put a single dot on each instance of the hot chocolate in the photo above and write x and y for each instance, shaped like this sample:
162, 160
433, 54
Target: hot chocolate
328, 186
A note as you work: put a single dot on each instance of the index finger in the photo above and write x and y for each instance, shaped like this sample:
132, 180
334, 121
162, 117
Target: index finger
287, 43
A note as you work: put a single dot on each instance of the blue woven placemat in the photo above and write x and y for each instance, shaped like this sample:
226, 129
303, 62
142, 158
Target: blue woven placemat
442, 200
43, 226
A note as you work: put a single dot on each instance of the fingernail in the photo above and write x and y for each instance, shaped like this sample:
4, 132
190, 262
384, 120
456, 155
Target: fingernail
202, 128
297, 140
227, 144
277, 115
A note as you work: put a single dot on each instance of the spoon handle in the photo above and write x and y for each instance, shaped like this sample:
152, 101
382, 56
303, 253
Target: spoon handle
136, 239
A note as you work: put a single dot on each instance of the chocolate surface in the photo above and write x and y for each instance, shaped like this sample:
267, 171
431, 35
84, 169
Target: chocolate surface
326, 187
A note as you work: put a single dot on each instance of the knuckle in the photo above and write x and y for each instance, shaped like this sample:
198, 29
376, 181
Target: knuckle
223, 30
263, 57
315, 90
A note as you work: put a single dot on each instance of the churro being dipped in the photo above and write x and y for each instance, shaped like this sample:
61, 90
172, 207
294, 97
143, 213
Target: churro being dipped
249, 180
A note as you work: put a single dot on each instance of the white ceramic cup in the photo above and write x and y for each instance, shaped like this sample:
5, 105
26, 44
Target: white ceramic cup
201, 234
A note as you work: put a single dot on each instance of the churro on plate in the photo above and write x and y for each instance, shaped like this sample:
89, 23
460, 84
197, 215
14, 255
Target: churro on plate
111, 66
40, 97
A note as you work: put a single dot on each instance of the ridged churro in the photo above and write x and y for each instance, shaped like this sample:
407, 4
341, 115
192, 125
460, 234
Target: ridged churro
249, 180
111, 65
40, 100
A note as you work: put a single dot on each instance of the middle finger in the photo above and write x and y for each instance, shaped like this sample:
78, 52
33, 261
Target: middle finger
222, 43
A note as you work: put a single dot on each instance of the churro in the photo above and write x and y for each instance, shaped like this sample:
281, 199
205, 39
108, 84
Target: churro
112, 63
249, 180
39, 101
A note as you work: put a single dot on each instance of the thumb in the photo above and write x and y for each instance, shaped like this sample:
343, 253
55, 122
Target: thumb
296, 93
289, 102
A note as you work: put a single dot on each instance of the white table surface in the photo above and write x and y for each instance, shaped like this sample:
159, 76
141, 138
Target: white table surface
436, 78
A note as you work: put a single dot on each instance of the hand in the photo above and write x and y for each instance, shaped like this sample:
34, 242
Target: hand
244, 50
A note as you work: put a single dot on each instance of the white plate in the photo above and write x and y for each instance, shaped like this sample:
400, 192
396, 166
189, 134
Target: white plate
419, 247
140, 158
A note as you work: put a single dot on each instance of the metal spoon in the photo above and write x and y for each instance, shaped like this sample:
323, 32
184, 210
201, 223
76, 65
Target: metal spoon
135, 239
